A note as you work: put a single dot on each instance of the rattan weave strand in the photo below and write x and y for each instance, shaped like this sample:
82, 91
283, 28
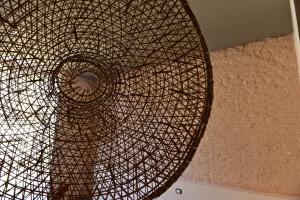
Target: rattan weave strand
100, 99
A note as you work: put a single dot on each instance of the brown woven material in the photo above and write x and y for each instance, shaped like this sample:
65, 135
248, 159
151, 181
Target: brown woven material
100, 99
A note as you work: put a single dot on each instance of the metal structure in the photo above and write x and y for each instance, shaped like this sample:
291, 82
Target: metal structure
102, 99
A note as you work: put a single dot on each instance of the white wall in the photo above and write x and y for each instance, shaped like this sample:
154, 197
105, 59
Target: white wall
198, 191
231, 22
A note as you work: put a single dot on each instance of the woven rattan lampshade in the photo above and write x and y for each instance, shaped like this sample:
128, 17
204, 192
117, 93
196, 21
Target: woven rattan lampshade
100, 99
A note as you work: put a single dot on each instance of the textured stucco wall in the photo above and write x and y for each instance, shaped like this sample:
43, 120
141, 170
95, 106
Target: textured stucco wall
253, 137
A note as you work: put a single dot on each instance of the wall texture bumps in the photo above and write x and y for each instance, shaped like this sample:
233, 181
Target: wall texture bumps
253, 137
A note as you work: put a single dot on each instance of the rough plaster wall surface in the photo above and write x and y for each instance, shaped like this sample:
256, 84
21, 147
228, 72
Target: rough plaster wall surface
253, 137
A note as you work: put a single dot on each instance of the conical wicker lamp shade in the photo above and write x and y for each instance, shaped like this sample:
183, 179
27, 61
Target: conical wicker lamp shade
102, 99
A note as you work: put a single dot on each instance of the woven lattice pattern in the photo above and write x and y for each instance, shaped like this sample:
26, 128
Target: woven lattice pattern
102, 99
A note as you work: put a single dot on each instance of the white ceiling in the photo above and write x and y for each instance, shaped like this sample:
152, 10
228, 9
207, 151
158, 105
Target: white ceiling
226, 23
